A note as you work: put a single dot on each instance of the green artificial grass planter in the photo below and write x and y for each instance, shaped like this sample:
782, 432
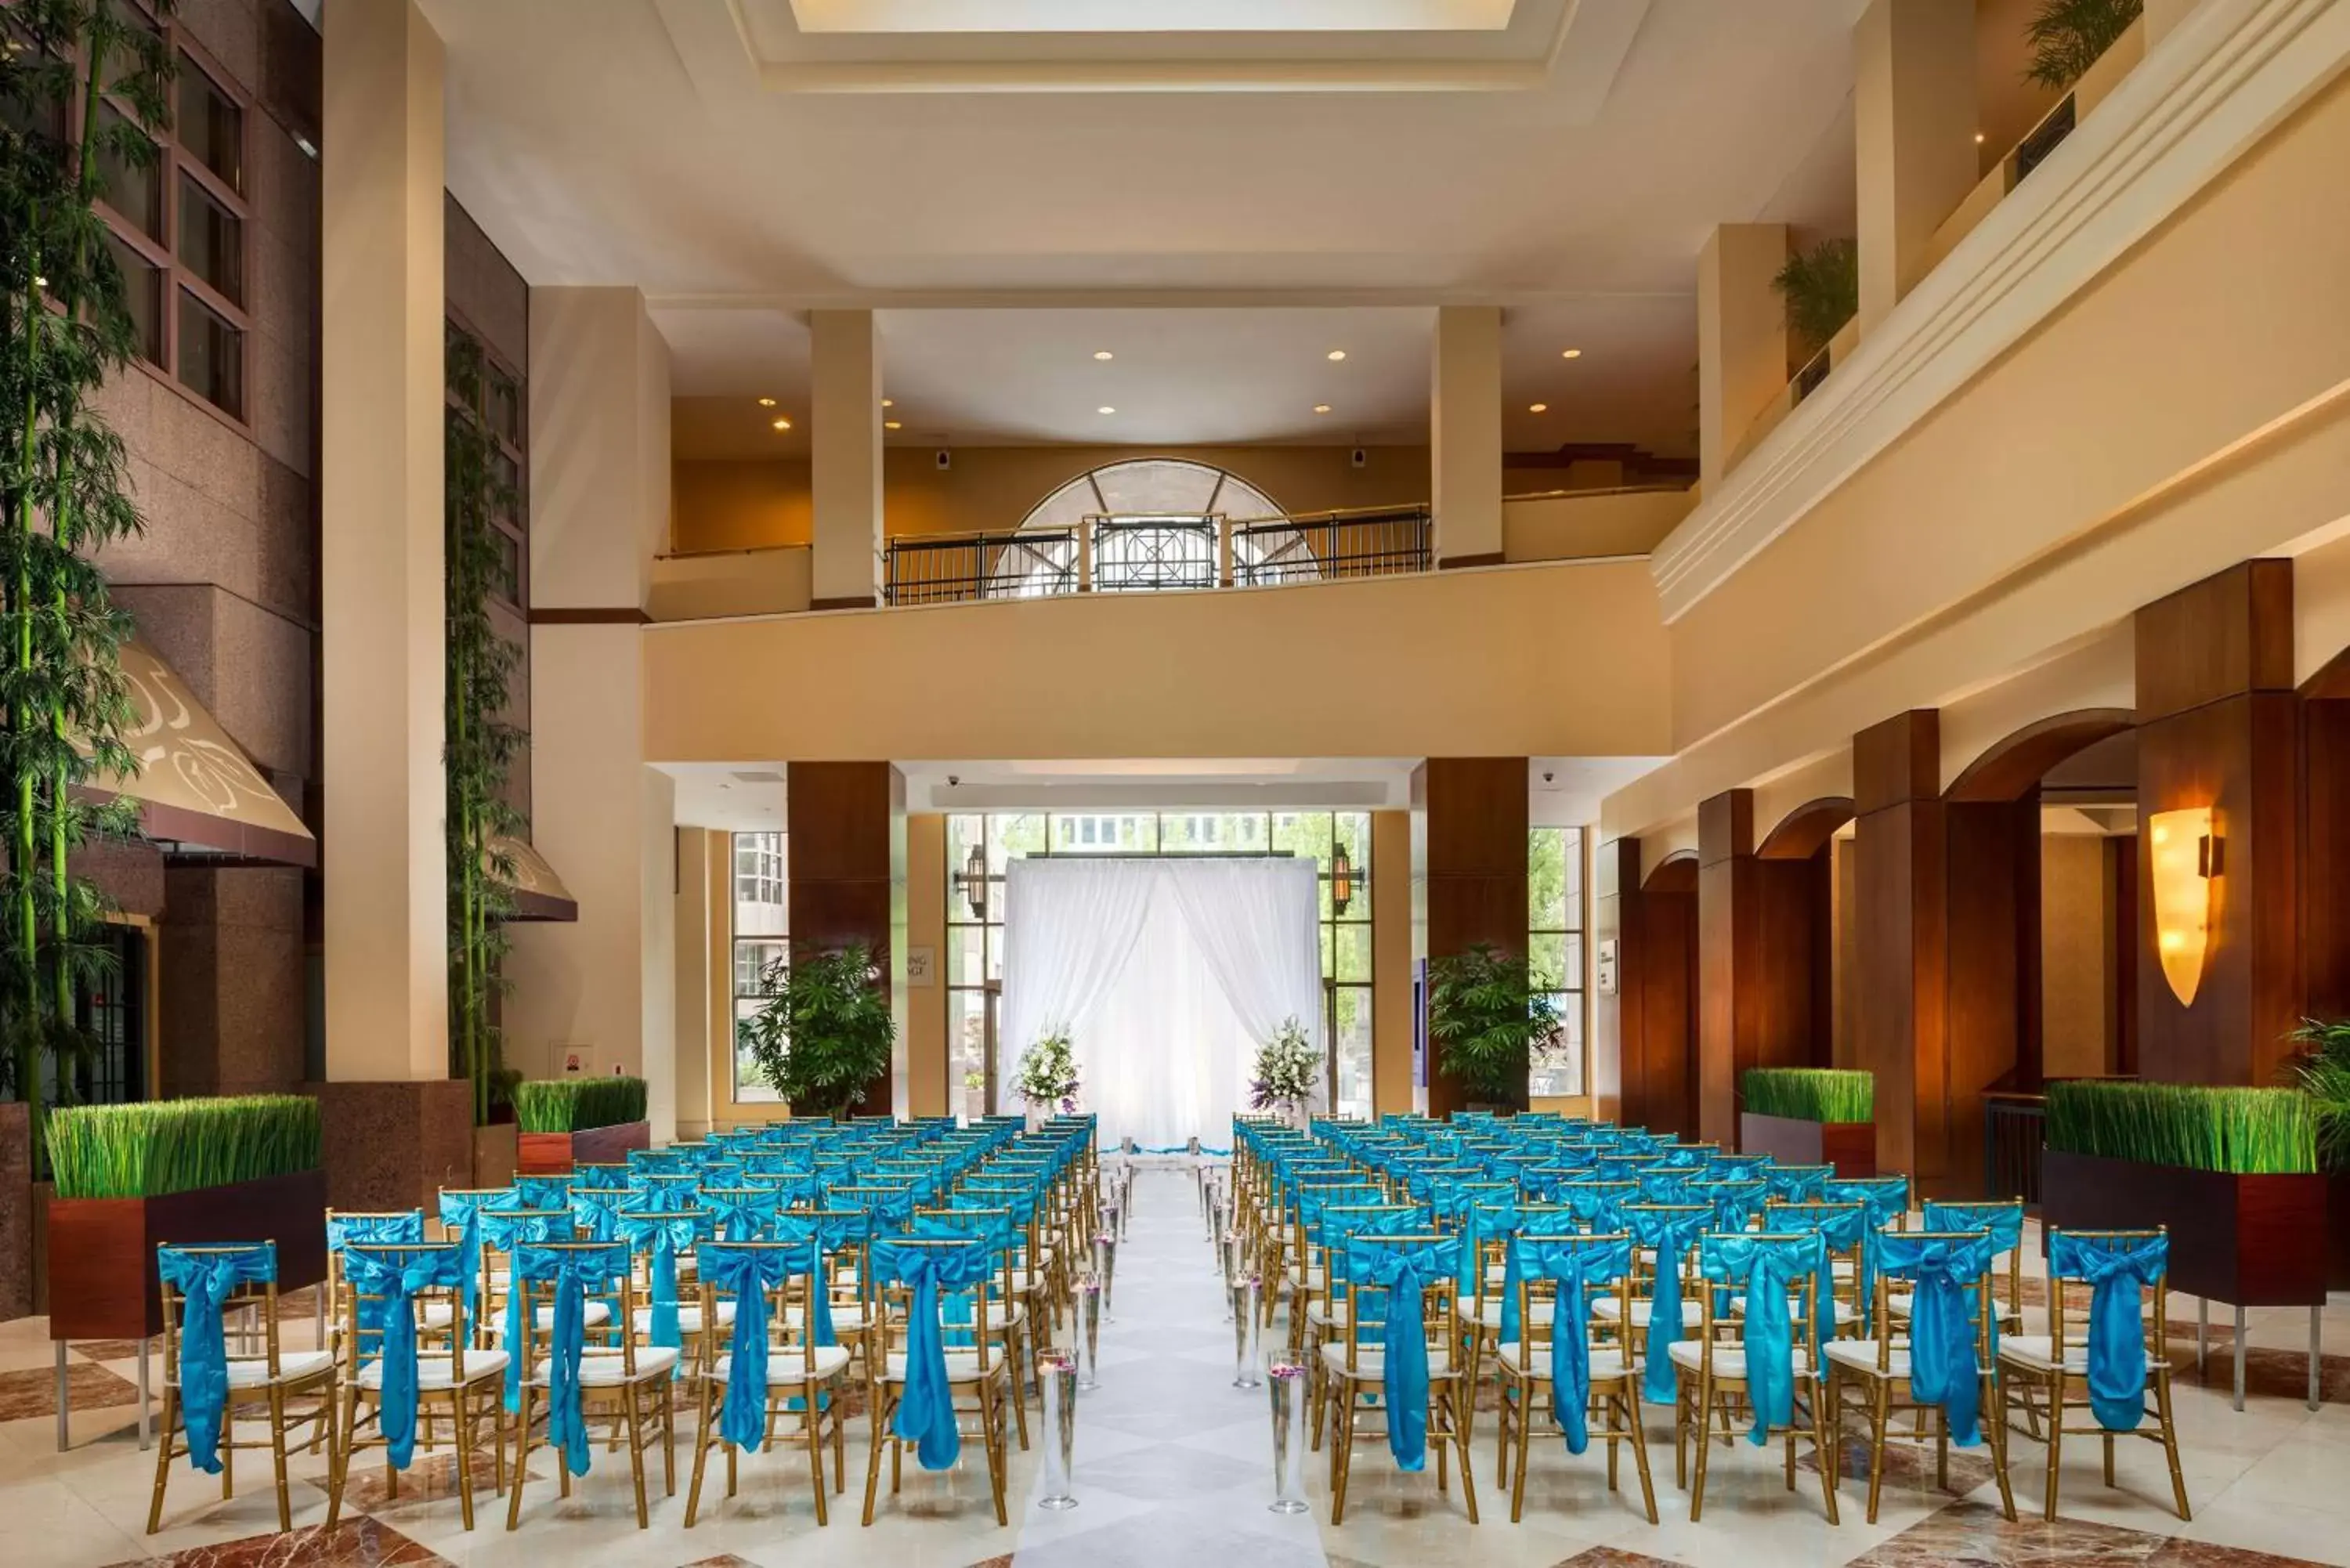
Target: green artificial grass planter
577, 1105
1809, 1094
181, 1146
2245, 1131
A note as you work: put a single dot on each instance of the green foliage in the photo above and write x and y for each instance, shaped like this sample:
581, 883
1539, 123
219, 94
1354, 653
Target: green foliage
2323, 1072
1809, 1094
824, 1034
479, 748
1822, 290
64, 328
1490, 1020
2068, 36
2243, 1131
1048, 1074
575, 1105
180, 1146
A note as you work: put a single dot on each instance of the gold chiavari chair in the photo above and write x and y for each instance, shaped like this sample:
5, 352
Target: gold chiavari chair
1526, 1368
1711, 1371
468, 1382
1355, 1374
273, 1377
976, 1372
630, 1386
803, 1377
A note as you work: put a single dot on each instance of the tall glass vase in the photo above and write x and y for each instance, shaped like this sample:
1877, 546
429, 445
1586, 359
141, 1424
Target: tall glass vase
1089, 1333
1285, 1384
1247, 1305
1059, 1377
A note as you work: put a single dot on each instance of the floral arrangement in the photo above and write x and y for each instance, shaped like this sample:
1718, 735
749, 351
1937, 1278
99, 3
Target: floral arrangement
1048, 1073
1287, 1068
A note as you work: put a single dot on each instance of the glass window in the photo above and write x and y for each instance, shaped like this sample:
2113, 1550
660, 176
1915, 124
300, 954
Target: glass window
210, 124
143, 296
1554, 951
761, 939
211, 240
133, 189
211, 355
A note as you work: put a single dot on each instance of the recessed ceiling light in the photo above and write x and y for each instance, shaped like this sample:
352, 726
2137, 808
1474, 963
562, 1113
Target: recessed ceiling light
1336, 354
1321, 407
766, 402
1103, 354
892, 425
1978, 139
783, 424
888, 402
1570, 353
1537, 407
1105, 408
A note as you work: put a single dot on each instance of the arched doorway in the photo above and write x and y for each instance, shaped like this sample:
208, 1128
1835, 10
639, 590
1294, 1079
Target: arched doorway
1155, 522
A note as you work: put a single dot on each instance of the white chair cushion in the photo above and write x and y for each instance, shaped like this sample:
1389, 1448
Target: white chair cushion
1843, 1312
438, 1372
2030, 1350
785, 1369
962, 1366
1489, 1316
1370, 1363
1608, 1309
609, 1368
846, 1319
1860, 1355
293, 1365
1608, 1361
435, 1315
1311, 1279
1729, 1360
689, 1317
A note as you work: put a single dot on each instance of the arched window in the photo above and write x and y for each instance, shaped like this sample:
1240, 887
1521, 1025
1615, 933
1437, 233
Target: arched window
1155, 524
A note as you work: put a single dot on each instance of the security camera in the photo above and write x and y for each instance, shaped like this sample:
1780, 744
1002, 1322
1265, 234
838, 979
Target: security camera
1359, 457
953, 779
1548, 777
944, 459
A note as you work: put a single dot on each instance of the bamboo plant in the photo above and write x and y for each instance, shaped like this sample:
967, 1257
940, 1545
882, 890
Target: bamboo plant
577, 1105
64, 495
1808, 1094
481, 747
182, 1146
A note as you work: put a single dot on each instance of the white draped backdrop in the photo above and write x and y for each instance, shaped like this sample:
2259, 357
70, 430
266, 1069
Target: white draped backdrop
1166, 974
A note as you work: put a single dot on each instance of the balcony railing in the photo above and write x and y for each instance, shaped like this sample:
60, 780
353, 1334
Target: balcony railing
1140, 553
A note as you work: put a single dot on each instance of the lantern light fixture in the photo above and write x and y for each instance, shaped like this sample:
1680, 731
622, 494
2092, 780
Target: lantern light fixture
2184, 856
973, 877
1342, 880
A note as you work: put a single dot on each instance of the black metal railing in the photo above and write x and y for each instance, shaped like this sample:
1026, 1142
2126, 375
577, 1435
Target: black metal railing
2014, 1127
1140, 553
1315, 547
2043, 138
1034, 562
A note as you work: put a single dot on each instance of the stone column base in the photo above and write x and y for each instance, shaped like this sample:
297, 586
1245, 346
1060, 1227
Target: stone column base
394, 1145
15, 1211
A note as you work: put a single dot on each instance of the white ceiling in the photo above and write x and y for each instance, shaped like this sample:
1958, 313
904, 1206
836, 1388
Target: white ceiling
741, 797
657, 143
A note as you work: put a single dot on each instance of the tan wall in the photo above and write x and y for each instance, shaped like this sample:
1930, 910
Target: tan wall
733, 505
2073, 993
1568, 527
926, 927
1497, 662
701, 1004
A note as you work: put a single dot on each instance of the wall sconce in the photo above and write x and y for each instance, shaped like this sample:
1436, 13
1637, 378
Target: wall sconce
1342, 880
2185, 857
973, 881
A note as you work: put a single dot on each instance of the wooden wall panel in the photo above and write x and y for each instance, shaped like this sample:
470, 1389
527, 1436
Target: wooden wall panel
1668, 979
2122, 954
1470, 819
1617, 1016
847, 855
2228, 635
1993, 996
1900, 938
2326, 882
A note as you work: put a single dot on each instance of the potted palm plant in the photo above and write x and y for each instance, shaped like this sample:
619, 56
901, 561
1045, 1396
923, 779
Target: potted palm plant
1810, 1116
2323, 1072
1490, 1020
1047, 1076
1287, 1068
823, 1036
566, 1122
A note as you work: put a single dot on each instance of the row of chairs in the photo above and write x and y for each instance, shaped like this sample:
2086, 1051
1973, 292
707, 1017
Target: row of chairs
521, 1329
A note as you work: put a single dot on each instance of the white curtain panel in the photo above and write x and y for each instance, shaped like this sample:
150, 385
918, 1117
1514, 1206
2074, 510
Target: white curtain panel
1167, 974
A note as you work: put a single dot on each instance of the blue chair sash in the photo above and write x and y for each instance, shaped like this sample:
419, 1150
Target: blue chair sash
1672, 1236
2114, 1275
1769, 1267
925, 1414
1944, 1369
662, 1236
204, 1281
395, 1278
375, 1229
815, 1236
507, 1232
747, 1274
599, 1178
575, 1275
742, 1214
1404, 1272
1577, 1267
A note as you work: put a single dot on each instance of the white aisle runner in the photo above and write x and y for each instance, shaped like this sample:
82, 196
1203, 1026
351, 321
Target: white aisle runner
1174, 1465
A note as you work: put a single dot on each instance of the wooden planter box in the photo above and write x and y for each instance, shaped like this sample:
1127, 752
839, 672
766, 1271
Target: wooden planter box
554, 1154
2248, 1240
1850, 1147
102, 1278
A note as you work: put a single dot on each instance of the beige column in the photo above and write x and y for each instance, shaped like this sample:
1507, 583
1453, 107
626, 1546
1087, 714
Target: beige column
380, 554
844, 460
599, 509
1464, 435
697, 1002
1742, 338
1914, 118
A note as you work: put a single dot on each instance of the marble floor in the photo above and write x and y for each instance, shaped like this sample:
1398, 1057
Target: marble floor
1174, 1466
